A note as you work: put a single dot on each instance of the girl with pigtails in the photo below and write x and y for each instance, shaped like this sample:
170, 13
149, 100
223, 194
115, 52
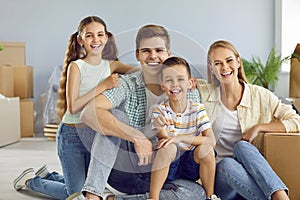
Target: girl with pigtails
90, 67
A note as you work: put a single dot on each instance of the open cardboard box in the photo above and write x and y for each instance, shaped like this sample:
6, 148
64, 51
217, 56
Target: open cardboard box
9, 121
282, 151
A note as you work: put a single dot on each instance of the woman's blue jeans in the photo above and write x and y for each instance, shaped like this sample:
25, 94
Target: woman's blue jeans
246, 176
74, 158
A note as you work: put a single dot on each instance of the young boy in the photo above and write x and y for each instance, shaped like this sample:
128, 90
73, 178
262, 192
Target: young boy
185, 136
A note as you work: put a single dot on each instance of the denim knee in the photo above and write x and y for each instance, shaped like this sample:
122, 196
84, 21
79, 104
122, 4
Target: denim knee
240, 145
225, 167
244, 148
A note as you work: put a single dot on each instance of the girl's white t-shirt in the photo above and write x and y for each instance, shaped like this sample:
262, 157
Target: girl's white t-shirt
90, 77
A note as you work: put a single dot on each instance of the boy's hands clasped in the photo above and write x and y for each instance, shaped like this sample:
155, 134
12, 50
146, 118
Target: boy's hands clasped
160, 122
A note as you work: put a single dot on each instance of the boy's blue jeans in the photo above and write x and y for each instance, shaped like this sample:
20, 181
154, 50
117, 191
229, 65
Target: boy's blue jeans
74, 158
246, 176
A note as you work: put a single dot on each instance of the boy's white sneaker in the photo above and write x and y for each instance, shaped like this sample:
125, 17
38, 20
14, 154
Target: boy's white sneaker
107, 193
213, 197
79, 195
42, 171
20, 182
76, 196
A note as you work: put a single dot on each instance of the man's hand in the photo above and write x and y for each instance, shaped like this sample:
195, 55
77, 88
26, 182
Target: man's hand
144, 150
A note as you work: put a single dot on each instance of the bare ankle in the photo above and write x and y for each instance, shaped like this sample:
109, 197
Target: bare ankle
90, 196
111, 197
280, 195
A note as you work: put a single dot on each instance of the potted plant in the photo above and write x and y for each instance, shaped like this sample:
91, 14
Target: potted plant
265, 75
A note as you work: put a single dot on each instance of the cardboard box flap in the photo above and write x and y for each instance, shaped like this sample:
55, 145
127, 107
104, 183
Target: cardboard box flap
297, 49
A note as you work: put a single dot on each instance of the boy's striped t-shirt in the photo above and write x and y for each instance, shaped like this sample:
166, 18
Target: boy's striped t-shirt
193, 121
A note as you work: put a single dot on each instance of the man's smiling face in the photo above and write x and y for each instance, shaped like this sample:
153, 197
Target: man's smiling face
151, 54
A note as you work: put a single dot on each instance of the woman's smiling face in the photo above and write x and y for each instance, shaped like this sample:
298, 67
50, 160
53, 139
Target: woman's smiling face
224, 65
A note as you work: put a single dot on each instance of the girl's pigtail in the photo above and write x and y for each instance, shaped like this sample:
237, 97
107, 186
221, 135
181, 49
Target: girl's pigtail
110, 51
74, 51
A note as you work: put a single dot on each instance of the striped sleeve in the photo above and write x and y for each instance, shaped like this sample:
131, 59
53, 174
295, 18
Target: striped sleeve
203, 122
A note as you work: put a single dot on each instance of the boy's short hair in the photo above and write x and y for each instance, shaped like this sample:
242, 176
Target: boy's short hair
150, 31
172, 61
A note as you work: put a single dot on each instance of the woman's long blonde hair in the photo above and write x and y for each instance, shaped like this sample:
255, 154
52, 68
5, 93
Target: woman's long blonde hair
75, 51
211, 78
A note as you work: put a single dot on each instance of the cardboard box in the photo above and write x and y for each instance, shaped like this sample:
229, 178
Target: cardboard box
7, 81
282, 151
27, 117
296, 103
23, 81
9, 121
13, 53
295, 74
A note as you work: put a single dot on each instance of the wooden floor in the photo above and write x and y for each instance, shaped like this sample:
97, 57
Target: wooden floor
15, 158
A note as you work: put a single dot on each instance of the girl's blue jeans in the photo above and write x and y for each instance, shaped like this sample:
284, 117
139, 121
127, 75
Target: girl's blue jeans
74, 158
246, 176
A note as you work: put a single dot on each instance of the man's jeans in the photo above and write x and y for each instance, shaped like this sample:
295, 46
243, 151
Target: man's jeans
114, 161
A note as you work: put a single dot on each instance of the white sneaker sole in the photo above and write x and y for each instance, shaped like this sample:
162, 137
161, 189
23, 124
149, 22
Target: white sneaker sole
41, 170
23, 175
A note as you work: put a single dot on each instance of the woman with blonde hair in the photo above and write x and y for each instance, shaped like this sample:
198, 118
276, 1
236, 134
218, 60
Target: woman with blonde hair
240, 113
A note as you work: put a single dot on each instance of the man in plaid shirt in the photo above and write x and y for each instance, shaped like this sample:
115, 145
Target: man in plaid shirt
123, 148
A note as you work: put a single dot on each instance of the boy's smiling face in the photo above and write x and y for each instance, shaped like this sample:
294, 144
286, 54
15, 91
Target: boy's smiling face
176, 82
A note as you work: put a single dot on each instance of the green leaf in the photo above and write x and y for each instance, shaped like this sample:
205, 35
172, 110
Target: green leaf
264, 75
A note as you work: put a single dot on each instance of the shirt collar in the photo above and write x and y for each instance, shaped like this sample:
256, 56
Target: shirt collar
246, 98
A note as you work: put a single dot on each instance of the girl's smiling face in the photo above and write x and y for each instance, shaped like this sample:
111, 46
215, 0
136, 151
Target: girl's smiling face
93, 38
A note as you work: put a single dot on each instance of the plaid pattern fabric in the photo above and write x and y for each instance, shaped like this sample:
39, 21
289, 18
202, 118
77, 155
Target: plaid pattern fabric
130, 97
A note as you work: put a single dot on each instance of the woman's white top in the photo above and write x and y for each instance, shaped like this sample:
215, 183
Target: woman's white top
227, 131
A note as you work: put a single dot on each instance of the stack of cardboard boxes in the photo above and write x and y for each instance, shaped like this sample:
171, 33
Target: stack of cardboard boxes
16, 84
282, 150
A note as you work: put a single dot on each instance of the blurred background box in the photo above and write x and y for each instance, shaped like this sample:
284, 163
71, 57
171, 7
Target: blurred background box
6, 81
23, 81
9, 121
295, 75
13, 53
27, 117
282, 151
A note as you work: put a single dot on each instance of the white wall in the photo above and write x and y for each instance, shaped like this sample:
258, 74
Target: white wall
45, 26
287, 35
